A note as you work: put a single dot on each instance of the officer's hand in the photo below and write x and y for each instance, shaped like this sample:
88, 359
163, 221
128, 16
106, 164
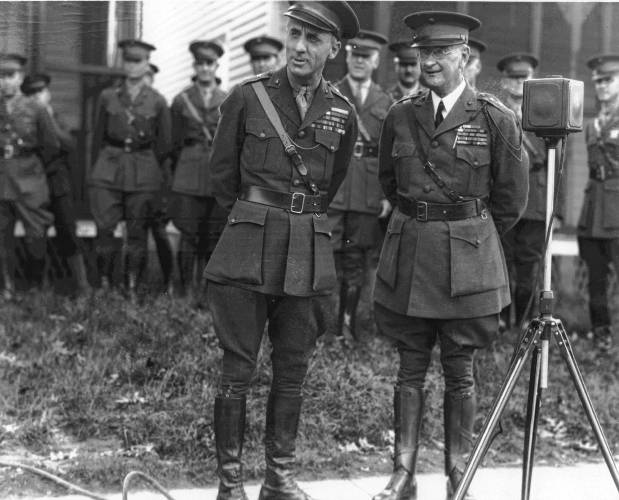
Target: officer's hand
385, 208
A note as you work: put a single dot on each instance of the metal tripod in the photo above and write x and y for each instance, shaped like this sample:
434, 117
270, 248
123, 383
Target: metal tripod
535, 340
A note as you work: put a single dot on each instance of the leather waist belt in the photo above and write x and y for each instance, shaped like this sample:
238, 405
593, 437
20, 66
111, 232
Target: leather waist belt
128, 145
601, 173
296, 203
190, 141
362, 150
425, 211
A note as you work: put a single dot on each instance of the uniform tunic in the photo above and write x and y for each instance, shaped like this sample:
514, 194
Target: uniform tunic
450, 269
262, 248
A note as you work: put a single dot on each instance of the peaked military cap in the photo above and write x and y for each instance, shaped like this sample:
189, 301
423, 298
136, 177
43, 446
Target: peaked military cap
135, 49
518, 65
334, 16
604, 65
12, 62
35, 83
477, 47
439, 28
206, 50
263, 46
405, 52
366, 41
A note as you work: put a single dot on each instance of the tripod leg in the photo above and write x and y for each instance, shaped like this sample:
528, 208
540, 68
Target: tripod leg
570, 360
530, 432
527, 343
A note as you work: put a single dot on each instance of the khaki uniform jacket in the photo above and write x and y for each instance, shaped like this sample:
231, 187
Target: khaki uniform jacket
450, 269
361, 191
599, 217
27, 133
146, 122
192, 149
266, 249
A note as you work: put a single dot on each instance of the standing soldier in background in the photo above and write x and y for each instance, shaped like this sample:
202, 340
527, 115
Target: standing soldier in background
195, 113
523, 244
473, 67
28, 144
451, 162
274, 261
598, 226
263, 53
59, 181
359, 203
131, 141
407, 69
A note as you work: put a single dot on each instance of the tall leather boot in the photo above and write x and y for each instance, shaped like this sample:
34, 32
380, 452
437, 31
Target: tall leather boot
229, 436
8, 281
132, 268
186, 260
459, 413
36, 249
349, 299
407, 416
602, 338
282, 422
78, 270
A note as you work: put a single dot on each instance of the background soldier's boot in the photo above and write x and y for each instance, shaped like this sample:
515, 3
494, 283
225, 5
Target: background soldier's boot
36, 249
133, 264
78, 270
229, 435
407, 416
349, 299
282, 421
602, 338
459, 412
8, 282
186, 260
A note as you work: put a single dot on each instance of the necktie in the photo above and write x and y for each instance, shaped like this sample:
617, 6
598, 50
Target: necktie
301, 100
358, 94
438, 119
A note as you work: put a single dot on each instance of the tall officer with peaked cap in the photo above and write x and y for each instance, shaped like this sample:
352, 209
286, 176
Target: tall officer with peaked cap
195, 113
28, 145
59, 182
359, 203
598, 226
407, 69
130, 143
474, 66
523, 244
451, 162
274, 260
263, 53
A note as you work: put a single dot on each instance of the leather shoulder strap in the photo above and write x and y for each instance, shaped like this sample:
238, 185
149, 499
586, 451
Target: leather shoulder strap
196, 116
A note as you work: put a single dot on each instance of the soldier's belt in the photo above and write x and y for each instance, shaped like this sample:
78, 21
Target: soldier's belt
363, 150
425, 211
296, 203
128, 145
601, 173
190, 141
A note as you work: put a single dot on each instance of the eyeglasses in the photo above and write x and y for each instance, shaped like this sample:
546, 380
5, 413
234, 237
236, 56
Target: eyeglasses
603, 80
436, 52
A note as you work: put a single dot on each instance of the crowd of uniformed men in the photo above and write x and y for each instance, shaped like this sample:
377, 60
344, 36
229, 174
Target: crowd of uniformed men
286, 190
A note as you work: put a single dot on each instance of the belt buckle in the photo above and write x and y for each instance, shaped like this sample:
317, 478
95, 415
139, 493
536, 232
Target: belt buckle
357, 151
422, 211
8, 151
128, 143
294, 202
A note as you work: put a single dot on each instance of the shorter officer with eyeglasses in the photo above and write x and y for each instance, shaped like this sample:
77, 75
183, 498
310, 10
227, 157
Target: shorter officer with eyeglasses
598, 226
263, 53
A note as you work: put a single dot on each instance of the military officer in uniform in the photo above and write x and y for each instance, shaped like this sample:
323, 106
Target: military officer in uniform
263, 53
274, 260
359, 203
59, 181
195, 113
406, 63
130, 143
523, 244
598, 226
451, 162
474, 66
28, 143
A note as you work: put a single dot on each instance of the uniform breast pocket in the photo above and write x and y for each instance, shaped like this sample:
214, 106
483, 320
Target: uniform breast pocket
611, 204
402, 154
323, 156
476, 162
261, 145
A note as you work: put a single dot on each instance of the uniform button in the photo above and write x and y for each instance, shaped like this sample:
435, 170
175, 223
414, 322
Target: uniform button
233, 220
262, 134
478, 242
332, 148
475, 162
434, 144
301, 134
427, 188
296, 182
469, 103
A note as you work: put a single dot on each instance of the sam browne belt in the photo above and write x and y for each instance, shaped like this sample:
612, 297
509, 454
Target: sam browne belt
296, 203
425, 211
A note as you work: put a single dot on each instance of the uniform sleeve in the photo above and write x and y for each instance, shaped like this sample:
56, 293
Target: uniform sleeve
510, 170
164, 131
67, 141
99, 129
386, 171
47, 138
178, 132
227, 145
343, 155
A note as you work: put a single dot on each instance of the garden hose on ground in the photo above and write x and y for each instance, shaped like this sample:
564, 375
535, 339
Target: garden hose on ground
76, 489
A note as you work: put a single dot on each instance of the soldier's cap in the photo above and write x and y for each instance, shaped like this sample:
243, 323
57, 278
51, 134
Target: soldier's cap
477, 47
366, 42
263, 46
604, 65
35, 83
10, 63
153, 69
404, 52
334, 16
440, 28
517, 65
135, 50
206, 50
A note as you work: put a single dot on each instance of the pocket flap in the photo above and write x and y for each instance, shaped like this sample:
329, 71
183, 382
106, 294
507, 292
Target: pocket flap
322, 225
260, 127
474, 234
252, 213
330, 140
402, 149
475, 156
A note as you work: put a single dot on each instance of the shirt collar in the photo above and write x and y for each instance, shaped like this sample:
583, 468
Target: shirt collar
450, 99
361, 85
